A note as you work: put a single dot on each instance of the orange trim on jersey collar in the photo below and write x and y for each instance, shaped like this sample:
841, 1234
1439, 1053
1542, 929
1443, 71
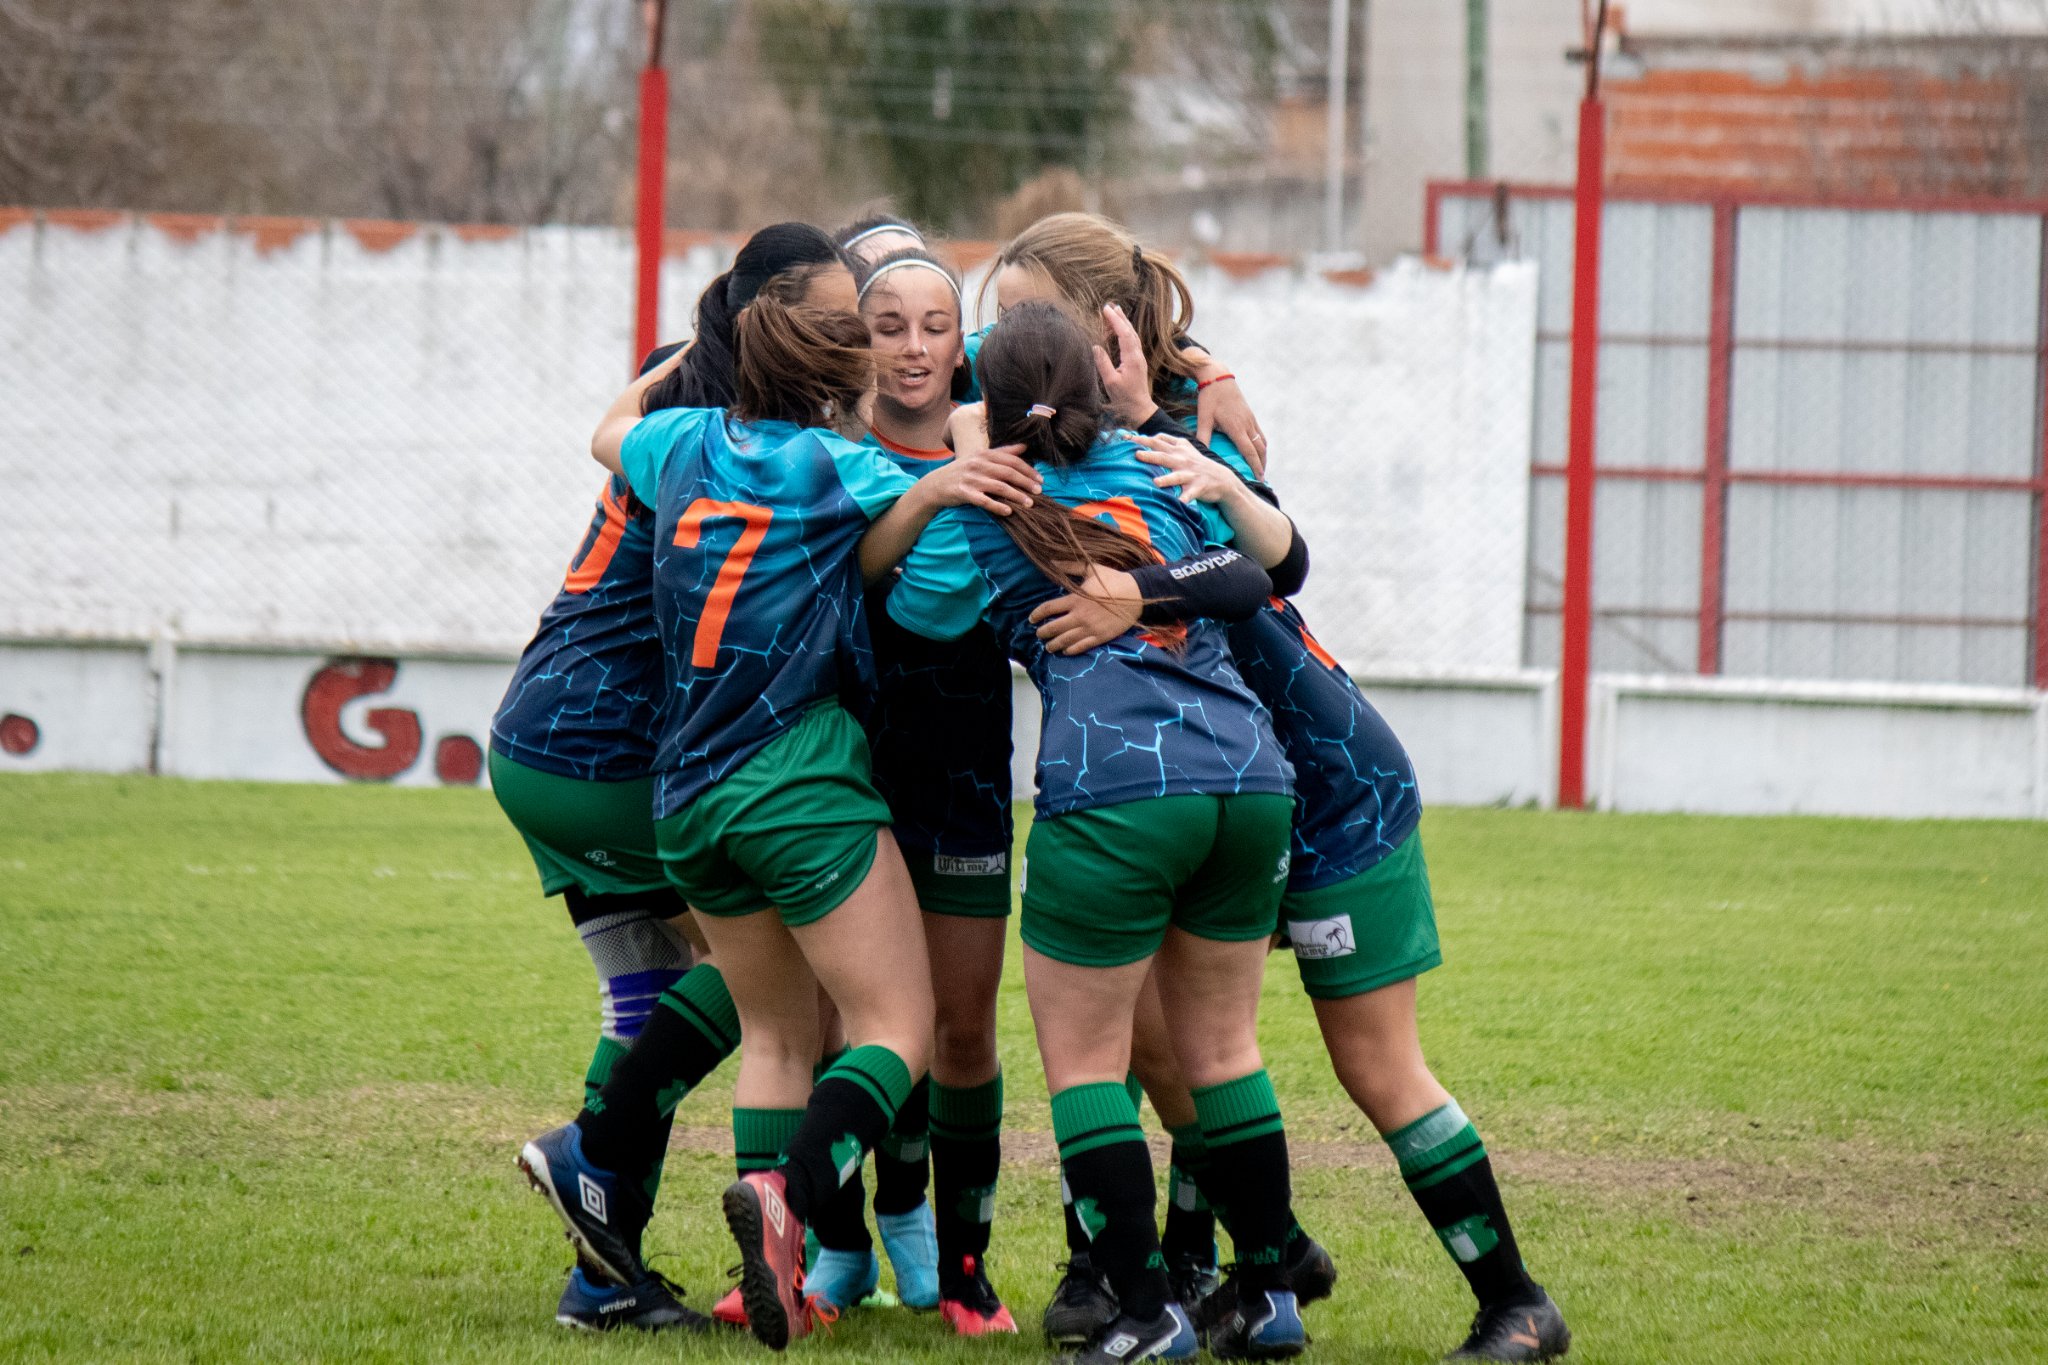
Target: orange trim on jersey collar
911, 451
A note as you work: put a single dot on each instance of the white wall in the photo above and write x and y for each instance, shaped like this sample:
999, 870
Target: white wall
1699, 745
320, 442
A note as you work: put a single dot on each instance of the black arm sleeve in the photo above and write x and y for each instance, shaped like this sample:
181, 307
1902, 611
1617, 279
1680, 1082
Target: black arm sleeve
1290, 573
1219, 583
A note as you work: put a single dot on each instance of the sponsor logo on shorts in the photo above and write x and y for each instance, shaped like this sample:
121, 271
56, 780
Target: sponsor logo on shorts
989, 865
599, 856
825, 881
1023, 876
1318, 938
1280, 872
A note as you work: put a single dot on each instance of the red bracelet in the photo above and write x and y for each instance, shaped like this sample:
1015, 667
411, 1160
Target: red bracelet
1205, 383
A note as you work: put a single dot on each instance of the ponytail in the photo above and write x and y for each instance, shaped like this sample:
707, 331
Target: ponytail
1040, 390
809, 366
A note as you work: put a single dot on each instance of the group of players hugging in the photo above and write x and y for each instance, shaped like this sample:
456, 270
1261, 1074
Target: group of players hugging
761, 747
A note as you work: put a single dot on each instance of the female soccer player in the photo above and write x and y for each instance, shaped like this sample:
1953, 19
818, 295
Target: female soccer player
867, 240
939, 732
1161, 829
572, 761
766, 820
1359, 914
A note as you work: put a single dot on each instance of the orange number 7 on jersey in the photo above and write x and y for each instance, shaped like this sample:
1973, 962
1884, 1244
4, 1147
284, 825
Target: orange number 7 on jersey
718, 606
1124, 512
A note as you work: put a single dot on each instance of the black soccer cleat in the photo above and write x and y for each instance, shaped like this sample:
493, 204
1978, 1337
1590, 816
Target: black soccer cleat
1190, 1281
1168, 1337
653, 1305
1517, 1332
602, 1214
1081, 1306
1309, 1273
1264, 1325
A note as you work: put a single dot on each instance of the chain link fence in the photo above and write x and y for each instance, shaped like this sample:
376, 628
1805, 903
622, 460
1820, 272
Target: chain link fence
370, 437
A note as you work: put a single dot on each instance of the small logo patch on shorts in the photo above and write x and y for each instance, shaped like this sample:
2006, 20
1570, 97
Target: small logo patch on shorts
601, 857
988, 865
1318, 938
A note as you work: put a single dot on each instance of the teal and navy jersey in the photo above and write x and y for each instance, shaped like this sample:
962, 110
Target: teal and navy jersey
1131, 719
939, 727
757, 591
1355, 797
585, 699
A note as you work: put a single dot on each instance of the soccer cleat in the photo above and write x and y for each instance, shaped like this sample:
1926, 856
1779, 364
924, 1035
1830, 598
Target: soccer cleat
1262, 1325
842, 1278
603, 1214
968, 1302
771, 1258
1517, 1331
1081, 1306
911, 1241
1310, 1273
1169, 1337
730, 1311
1191, 1282
652, 1305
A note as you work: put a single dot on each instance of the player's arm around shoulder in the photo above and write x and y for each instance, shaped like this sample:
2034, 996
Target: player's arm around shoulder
942, 592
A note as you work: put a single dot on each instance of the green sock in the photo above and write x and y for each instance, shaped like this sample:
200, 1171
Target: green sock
1444, 1164
1248, 1175
1109, 1172
1190, 1234
1136, 1090
760, 1136
967, 1154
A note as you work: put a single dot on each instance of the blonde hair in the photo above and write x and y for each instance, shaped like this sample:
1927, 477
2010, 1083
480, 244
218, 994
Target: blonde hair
1093, 262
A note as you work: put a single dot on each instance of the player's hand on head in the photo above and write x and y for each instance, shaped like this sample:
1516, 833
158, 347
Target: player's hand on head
996, 480
1220, 405
1125, 381
967, 429
1199, 478
1106, 605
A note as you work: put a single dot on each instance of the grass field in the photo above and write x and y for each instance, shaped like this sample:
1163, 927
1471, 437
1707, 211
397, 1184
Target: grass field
1759, 1090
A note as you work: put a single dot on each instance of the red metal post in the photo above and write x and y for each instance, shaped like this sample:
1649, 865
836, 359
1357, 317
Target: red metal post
652, 188
2041, 497
1714, 474
1575, 667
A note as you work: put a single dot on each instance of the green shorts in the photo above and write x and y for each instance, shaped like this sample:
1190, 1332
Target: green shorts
793, 827
595, 836
971, 888
1101, 886
1367, 931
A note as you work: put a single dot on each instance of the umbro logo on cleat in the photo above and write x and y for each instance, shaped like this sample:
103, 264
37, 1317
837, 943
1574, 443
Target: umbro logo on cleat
1120, 1344
592, 1195
771, 1204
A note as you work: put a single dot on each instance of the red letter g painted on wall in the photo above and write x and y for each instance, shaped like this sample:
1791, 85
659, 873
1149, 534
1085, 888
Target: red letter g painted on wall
340, 683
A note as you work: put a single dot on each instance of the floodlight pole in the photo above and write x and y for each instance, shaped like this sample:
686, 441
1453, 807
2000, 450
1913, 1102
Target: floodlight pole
651, 190
1575, 662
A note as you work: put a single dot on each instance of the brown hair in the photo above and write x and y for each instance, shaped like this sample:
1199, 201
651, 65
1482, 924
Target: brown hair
1092, 262
1038, 357
798, 364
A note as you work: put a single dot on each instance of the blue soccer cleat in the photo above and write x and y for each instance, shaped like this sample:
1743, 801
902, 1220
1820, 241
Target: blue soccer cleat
650, 1306
912, 1243
1262, 1325
604, 1215
842, 1278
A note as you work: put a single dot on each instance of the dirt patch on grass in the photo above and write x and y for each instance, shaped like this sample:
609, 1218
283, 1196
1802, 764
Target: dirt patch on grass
1854, 1189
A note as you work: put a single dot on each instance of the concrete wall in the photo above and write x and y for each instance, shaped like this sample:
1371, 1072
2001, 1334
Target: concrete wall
375, 439
1699, 745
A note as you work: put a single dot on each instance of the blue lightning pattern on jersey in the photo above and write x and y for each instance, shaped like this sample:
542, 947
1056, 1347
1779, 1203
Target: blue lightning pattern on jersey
1355, 793
757, 591
585, 699
1131, 719
939, 729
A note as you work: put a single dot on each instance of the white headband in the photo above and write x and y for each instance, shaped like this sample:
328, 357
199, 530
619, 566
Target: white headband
877, 230
906, 262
